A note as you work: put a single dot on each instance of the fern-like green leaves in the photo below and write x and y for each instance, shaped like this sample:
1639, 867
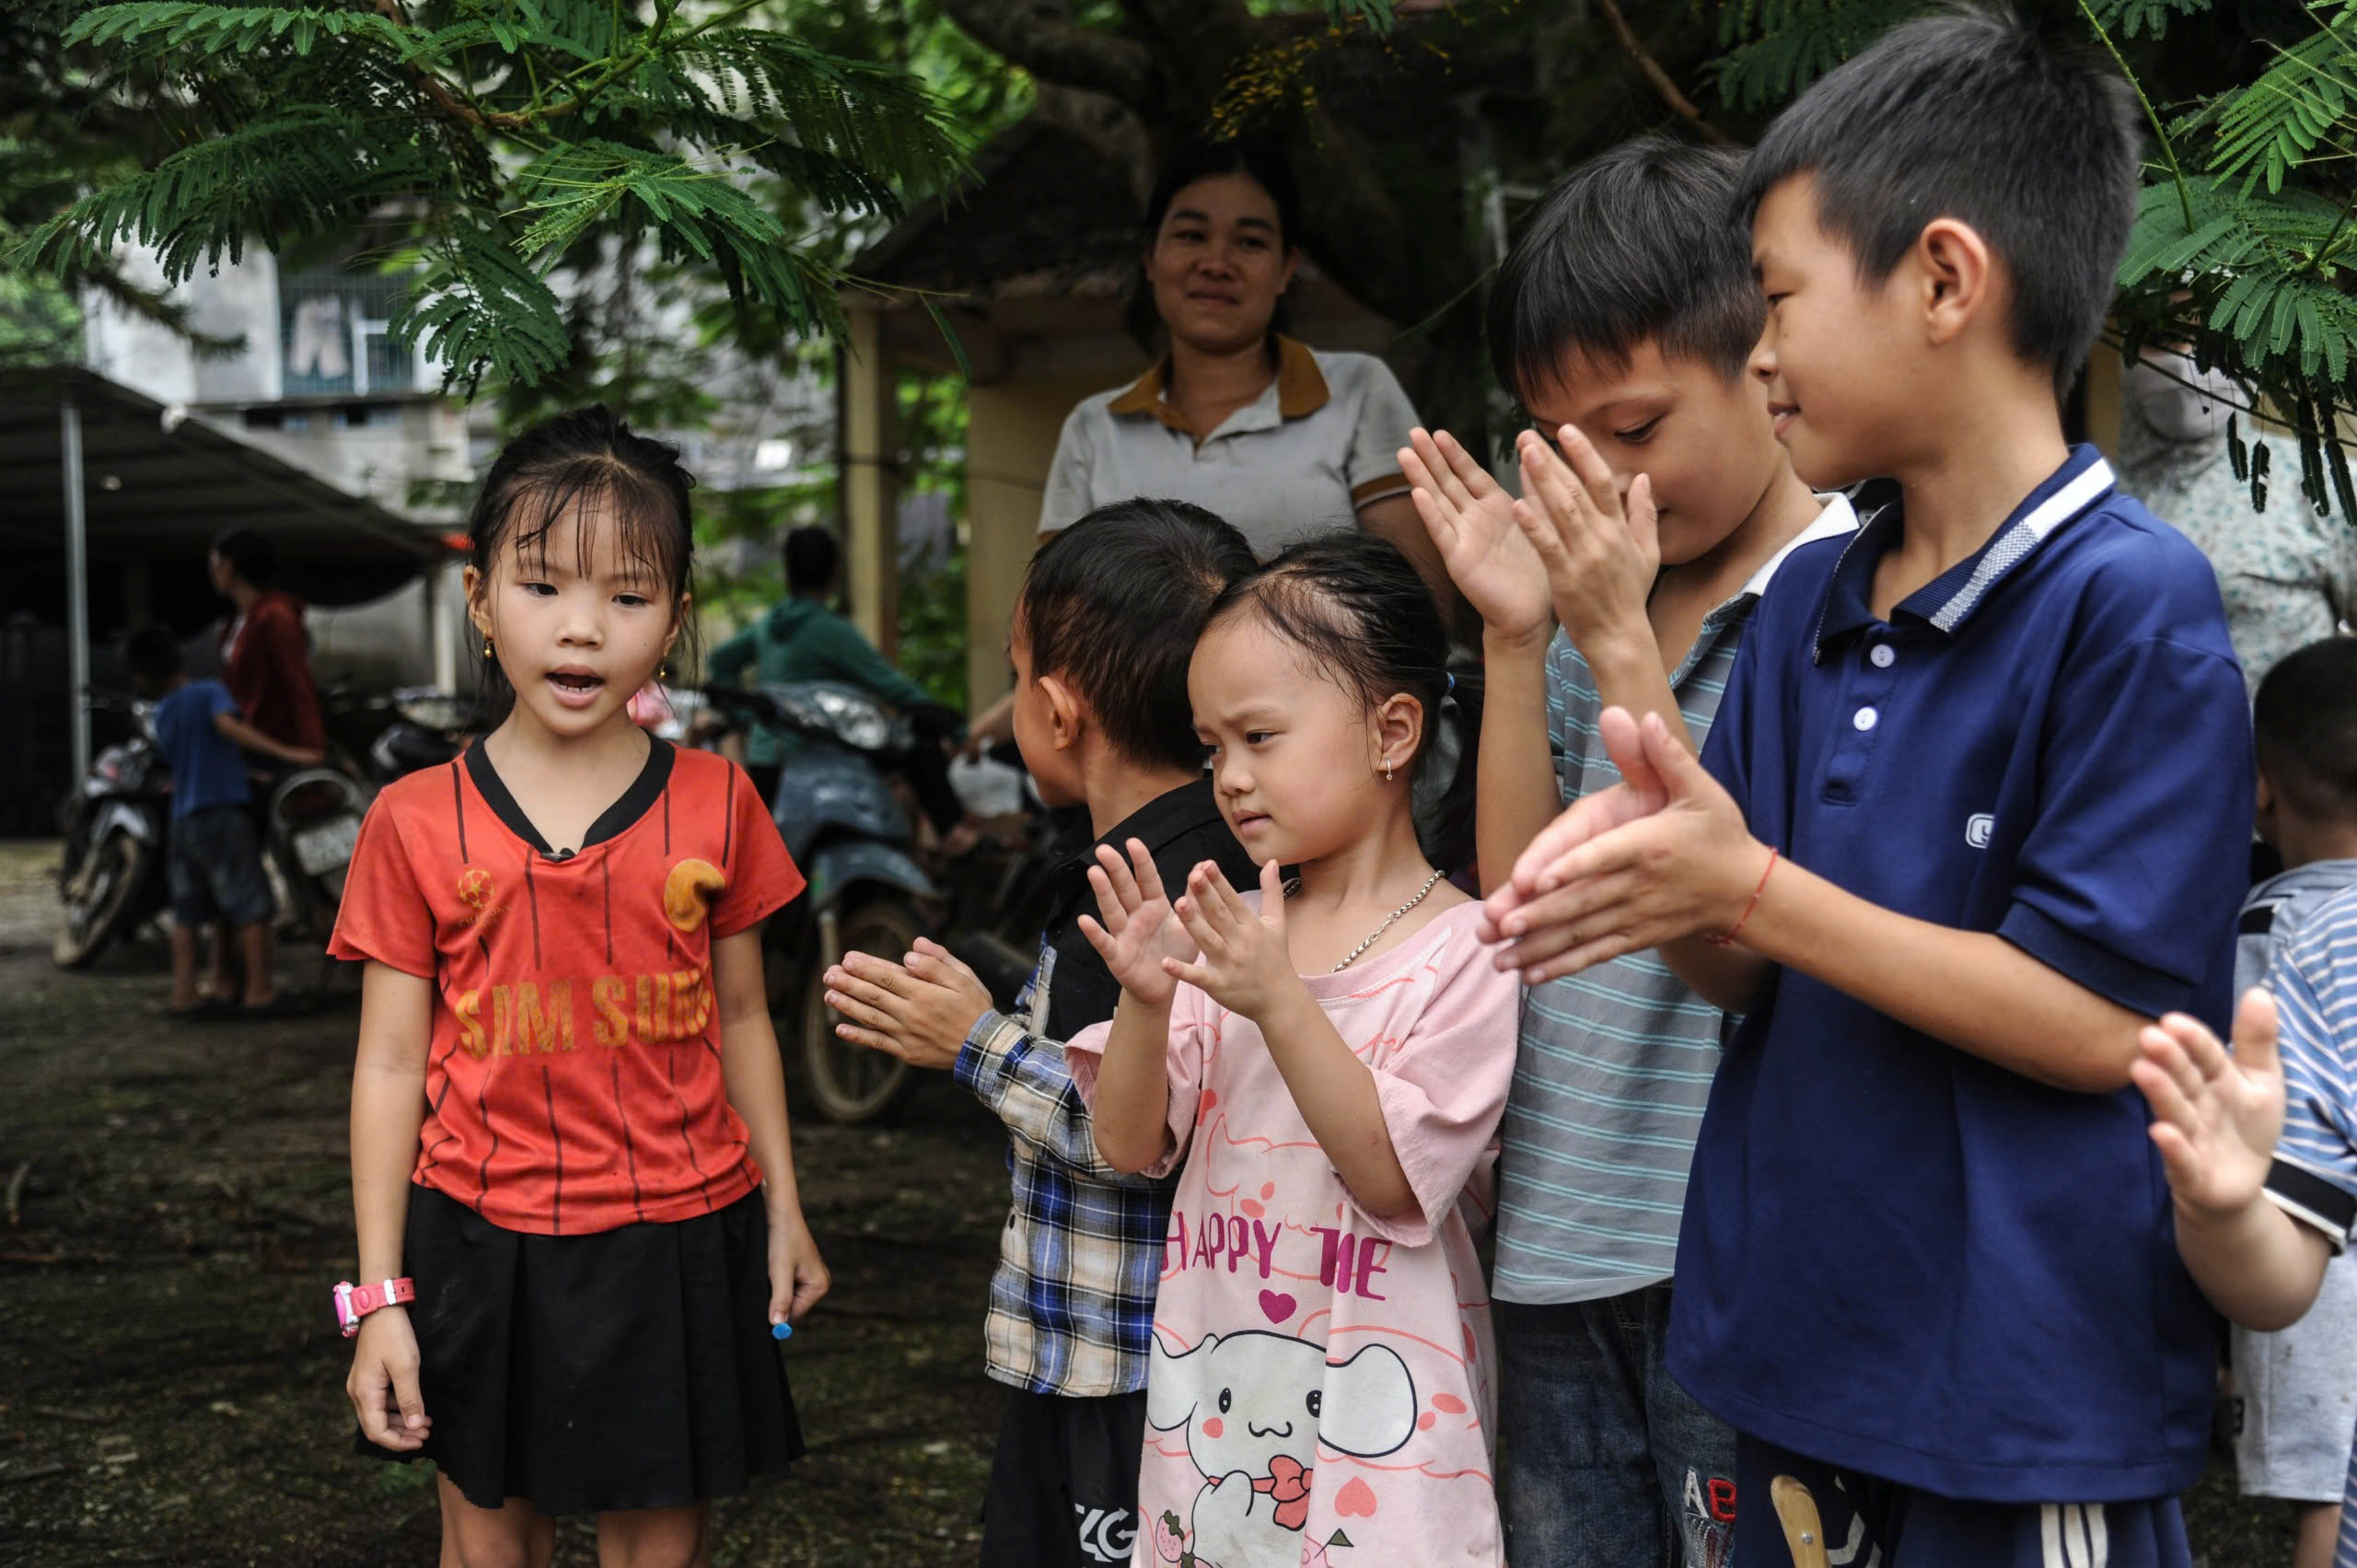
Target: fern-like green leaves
2249, 254
492, 140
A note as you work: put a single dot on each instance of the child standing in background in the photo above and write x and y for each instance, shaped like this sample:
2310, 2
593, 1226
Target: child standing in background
2295, 1390
1331, 1065
570, 1167
216, 866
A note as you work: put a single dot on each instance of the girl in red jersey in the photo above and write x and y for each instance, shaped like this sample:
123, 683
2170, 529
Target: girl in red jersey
570, 1167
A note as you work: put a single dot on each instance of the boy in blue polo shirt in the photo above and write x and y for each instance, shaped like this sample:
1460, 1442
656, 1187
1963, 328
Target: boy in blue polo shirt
1975, 806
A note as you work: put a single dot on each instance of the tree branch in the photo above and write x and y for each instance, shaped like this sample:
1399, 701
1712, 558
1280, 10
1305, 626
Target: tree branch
1110, 127
1651, 68
1039, 37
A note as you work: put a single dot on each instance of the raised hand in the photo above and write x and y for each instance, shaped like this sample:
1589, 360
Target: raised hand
1662, 854
1472, 524
1246, 965
1601, 553
2216, 1117
1136, 930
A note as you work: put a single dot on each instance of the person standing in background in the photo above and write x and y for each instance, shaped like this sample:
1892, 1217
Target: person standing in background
265, 651
1281, 440
803, 639
2289, 576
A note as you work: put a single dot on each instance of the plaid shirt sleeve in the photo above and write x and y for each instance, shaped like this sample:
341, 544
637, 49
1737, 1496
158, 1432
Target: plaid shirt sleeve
1024, 1080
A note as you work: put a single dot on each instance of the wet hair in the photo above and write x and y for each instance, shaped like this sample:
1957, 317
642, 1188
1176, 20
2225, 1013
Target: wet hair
1636, 245
251, 554
2031, 139
2306, 718
1113, 604
1264, 164
152, 655
812, 559
630, 482
1361, 613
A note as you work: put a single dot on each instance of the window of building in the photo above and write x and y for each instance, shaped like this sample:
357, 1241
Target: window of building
331, 333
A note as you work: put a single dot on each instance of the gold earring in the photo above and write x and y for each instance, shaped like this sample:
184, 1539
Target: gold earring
664, 674
486, 648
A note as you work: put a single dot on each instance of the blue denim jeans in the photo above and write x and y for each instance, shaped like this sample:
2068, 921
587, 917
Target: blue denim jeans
1603, 1462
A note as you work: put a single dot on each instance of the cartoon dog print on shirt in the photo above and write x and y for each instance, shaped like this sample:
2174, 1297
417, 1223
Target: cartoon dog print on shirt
1256, 1406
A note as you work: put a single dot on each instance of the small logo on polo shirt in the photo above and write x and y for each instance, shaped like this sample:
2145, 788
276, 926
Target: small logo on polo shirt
1978, 828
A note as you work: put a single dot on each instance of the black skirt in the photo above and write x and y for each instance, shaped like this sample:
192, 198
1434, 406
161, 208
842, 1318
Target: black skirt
630, 1368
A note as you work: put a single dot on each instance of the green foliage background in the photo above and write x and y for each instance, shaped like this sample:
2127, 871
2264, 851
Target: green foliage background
569, 178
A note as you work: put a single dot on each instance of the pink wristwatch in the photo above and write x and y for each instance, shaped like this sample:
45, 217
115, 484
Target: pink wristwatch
355, 1302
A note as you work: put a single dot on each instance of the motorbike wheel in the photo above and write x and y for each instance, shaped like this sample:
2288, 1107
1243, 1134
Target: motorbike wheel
847, 1082
98, 899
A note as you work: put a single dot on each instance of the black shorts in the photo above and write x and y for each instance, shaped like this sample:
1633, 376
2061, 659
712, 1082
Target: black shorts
1064, 1484
625, 1369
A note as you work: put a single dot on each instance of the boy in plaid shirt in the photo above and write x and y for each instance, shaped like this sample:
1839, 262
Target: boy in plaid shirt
1101, 638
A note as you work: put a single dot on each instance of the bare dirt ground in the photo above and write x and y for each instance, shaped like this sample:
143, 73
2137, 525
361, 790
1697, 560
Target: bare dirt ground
176, 1208
171, 1378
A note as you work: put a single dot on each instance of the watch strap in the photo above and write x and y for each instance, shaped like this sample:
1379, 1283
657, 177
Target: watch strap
353, 1302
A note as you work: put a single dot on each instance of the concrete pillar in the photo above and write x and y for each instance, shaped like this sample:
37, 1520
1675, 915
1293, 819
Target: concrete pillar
871, 483
1010, 442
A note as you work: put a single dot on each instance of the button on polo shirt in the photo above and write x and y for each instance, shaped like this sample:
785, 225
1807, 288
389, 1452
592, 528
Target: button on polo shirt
1896, 1257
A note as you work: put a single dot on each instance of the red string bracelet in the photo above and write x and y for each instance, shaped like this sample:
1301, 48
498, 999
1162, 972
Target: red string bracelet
1726, 938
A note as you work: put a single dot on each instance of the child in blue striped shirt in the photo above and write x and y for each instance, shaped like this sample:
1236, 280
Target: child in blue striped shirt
2297, 1385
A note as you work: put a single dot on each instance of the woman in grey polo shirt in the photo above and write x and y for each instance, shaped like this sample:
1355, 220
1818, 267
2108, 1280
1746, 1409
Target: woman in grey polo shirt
1278, 438
1274, 436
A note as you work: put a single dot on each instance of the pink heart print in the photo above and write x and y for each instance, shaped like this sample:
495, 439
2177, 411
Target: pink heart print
1357, 1501
1277, 1305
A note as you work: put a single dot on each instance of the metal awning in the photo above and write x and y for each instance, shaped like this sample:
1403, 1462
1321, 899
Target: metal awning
161, 496
95, 491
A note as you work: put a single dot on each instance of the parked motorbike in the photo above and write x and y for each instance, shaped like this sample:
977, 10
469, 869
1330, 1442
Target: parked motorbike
117, 825
390, 734
855, 842
310, 826
114, 822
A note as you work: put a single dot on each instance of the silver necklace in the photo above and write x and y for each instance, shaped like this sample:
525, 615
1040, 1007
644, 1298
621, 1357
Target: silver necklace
1388, 921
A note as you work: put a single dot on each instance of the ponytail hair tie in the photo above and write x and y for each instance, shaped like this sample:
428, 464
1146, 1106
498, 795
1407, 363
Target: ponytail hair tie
1452, 679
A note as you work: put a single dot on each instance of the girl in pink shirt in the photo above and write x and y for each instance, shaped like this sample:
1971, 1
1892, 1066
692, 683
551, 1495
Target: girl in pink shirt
1330, 1059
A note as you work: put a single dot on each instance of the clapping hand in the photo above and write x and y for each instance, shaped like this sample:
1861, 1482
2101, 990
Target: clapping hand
1471, 521
1137, 932
1600, 552
1663, 854
920, 1009
2216, 1117
1246, 964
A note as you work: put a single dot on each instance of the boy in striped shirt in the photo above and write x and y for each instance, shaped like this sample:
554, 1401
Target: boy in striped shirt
1621, 321
2266, 1265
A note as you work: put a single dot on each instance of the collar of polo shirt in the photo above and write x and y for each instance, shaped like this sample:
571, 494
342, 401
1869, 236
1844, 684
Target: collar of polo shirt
1301, 386
2082, 481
